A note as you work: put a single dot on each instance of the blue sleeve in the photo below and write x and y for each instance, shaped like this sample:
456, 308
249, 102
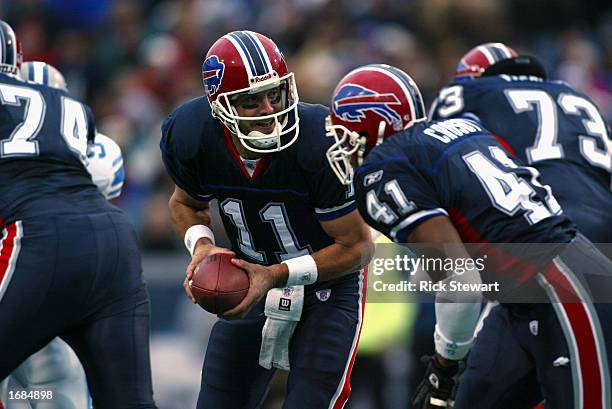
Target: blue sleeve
330, 198
394, 197
180, 159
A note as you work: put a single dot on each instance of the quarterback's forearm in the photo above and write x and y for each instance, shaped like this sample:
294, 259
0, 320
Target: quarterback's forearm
339, 259
186, 212
333, 261
352, 249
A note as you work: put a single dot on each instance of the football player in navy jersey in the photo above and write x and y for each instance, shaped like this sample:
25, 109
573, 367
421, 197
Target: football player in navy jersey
69, 263
451, 182
545, 123
252, 145
55, 366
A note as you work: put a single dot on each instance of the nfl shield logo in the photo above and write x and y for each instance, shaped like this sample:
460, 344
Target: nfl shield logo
533, 327
323, 295
287, 291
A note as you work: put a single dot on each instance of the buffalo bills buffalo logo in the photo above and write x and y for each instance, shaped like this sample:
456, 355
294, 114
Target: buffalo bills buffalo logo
351, 102
212, 74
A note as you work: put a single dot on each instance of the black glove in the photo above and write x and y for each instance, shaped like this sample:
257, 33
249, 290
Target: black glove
438, 388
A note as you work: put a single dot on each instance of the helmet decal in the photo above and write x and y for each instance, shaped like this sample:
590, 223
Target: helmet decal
351, 101
369, 104
212, 74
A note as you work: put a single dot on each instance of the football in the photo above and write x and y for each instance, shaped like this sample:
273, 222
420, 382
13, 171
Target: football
217, 285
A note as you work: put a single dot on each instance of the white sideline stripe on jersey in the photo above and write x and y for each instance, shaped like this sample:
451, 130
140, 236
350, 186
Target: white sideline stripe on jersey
333, 209
413, 218
8, 274
595, 324
351, 357
487, 54
260, 48
568, 330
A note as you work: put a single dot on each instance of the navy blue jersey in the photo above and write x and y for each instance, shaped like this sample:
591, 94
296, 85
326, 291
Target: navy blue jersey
44, 134
551, 127
273, 214
456, 168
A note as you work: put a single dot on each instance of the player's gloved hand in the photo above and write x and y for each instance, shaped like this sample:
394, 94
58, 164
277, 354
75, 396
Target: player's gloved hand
201, 251
437, 389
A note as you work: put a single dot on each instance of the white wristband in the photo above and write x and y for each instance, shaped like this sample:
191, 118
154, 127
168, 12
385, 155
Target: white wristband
450, 349
195, 233
302, 270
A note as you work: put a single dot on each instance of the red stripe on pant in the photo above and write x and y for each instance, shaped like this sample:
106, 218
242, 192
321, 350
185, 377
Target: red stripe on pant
584, 334
346, 388
7, 247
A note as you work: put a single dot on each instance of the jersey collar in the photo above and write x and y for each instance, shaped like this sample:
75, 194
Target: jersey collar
261, 165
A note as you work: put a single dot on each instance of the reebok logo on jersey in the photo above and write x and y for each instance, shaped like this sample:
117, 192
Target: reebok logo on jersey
372, 178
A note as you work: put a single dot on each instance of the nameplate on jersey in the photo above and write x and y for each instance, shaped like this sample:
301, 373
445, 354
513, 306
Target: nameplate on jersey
510, 78
451, 129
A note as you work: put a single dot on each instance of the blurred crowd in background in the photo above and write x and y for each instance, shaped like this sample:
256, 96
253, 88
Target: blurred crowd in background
134, 61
